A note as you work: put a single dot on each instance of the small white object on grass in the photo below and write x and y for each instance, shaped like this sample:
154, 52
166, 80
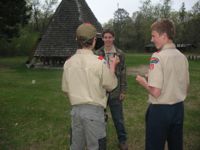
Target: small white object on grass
33, 81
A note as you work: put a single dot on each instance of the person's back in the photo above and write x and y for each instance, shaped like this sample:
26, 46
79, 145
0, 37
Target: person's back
175, 75
176, 67
86, 78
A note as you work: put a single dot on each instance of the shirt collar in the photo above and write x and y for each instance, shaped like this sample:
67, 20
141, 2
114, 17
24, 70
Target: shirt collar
84, 51
113, 50
169, 46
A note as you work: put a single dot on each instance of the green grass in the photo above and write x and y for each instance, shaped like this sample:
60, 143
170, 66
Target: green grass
137, 59
36, 116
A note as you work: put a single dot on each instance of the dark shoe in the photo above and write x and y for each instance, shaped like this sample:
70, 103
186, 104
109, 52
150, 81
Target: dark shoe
123, 146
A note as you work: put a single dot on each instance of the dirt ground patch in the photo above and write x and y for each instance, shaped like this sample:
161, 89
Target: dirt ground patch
142, 69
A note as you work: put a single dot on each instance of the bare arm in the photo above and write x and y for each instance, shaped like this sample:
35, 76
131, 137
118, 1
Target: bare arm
155, 92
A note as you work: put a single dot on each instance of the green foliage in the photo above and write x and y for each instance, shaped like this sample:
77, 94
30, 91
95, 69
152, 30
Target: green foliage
41, 13
109, 24
15, 37
166, 9
182, 13
21, 45
196, 8
120, 24
13, 14
134, 34
25, 43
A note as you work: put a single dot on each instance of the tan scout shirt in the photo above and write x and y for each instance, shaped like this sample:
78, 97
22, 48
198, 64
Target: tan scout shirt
86, 78
168, 71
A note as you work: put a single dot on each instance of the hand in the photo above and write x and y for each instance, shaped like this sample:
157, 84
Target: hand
141, 80
121, 96
114, 60
155, 92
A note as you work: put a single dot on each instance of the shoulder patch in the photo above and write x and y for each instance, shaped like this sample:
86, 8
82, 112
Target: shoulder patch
100, 57
154, 60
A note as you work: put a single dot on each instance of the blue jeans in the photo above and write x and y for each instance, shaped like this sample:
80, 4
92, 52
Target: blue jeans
164, 123
116, 110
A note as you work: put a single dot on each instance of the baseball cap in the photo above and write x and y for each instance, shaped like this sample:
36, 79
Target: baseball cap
86, 31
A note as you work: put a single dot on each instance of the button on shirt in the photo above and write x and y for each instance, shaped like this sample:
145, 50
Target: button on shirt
86, 77
168, 71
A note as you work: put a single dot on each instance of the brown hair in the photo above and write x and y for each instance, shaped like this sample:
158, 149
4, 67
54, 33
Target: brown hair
108, 30
164, 26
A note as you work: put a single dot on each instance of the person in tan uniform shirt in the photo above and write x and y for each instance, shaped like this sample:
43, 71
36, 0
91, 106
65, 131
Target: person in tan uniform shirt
86, 78
167, 83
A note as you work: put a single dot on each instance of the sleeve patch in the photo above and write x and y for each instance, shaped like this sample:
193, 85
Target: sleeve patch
151, 66
100, 57
154, 60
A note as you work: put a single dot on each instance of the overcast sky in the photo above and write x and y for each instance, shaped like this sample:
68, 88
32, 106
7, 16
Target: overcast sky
104, 9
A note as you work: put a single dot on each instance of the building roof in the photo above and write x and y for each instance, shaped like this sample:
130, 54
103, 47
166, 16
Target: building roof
59, 40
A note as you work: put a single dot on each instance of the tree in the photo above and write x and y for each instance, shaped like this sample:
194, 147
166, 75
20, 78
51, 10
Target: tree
138, 31
36, 12
146, 9
142, 24
134, 33
41, 13
13, 15
157, 11
193, 29
166, 9
120, 22
196, 8
109, 24
182, 13
180, 21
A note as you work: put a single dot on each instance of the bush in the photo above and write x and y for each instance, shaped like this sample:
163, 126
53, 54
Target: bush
19, 46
